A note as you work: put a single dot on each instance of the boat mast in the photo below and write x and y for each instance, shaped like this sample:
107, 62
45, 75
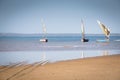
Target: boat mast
82, 29
44, 28
105, 30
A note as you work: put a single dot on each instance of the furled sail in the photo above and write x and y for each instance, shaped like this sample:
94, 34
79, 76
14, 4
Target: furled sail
82, 29
44, 28
105, 30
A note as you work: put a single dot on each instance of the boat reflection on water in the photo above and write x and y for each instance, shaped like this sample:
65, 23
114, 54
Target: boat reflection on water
7, 58
85, 54
105, 53
82, 54
43, 57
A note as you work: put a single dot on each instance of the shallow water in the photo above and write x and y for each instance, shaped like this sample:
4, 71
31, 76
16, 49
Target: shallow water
56, 42
7, 58
14, 49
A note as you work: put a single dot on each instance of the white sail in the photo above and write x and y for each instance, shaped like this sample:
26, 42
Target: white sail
105, 30
44, 28
82, 29
83, 32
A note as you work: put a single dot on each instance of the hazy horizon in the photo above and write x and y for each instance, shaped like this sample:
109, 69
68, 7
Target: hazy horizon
56, 34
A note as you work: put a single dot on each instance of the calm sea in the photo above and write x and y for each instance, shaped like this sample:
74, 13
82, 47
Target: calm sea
17, 48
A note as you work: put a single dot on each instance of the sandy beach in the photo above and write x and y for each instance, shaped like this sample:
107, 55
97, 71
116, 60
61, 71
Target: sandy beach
97, 68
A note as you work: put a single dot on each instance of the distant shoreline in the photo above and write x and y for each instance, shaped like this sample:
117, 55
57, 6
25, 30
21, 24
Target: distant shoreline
53, 34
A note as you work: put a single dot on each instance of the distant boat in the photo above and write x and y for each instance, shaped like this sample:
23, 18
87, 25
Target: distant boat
83, 32
105, 30
44, 39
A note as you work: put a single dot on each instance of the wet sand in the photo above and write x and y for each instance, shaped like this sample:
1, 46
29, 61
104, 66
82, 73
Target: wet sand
97, 68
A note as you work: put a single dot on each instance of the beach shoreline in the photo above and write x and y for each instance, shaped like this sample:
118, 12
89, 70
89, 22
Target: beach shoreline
95, 68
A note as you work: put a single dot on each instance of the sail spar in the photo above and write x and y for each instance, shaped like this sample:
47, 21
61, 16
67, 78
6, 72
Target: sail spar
105, 30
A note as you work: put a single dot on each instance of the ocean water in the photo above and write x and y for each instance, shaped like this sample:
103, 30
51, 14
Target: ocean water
17, 48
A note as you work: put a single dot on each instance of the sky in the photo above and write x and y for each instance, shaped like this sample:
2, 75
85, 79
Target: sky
60, 16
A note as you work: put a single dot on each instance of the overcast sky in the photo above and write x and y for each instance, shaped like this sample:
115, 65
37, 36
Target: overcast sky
60, 16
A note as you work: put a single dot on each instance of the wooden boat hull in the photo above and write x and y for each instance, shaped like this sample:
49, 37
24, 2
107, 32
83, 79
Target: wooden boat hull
84, 40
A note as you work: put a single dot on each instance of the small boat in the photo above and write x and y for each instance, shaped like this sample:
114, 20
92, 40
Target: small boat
83, 39
105, 30
44, 39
